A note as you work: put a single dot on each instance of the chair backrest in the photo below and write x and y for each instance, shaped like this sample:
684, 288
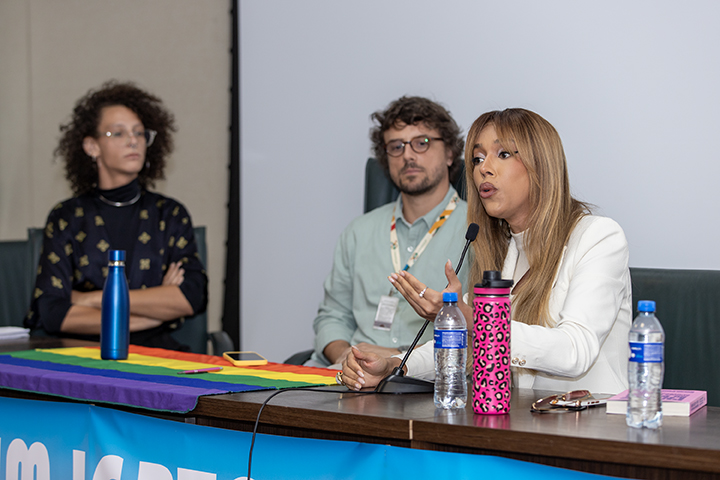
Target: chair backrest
688, 307
35, 241
379, 189
193, 331
17, 275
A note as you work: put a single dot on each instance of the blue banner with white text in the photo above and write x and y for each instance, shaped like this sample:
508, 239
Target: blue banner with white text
85, 442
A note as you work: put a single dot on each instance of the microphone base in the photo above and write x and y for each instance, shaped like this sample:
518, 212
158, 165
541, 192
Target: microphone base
397, 383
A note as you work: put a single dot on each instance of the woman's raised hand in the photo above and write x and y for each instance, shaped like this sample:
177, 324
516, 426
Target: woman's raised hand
425, 301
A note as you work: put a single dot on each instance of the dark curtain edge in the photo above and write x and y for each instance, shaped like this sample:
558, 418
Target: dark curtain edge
232, 298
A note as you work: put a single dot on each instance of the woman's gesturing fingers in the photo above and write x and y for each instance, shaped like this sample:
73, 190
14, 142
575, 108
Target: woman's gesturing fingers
425, 301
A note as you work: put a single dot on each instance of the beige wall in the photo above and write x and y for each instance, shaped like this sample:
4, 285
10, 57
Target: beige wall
52, 52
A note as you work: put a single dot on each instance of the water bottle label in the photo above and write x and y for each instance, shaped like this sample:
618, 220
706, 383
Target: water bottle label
646, 352
450, 338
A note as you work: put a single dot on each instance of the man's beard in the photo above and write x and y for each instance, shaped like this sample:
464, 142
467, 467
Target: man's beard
425, 186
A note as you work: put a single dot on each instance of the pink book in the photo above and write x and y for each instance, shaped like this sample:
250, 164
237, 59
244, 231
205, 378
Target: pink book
675, 403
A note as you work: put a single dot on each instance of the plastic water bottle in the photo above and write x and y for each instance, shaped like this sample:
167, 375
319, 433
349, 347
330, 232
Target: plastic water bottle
115, 312
450, 355
646, 368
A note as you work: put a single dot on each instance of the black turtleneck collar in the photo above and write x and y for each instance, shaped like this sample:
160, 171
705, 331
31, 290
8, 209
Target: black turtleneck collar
122, 194
121, 223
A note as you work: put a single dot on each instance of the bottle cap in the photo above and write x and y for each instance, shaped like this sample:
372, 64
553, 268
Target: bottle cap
646, 306
116, 255
449, 297
492, 279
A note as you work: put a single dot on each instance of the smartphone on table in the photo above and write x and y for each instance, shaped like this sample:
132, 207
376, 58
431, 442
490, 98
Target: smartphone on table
244, 359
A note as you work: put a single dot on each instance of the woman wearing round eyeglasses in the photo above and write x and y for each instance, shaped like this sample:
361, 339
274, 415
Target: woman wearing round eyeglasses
571, 300
114, 148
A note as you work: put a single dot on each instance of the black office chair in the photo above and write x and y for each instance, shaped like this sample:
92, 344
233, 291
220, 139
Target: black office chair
191, 331
688, 307
16, 281
379, 190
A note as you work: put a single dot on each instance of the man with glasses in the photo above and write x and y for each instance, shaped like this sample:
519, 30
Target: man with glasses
419, 146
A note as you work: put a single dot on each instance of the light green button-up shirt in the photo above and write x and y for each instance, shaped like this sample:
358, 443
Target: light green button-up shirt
362, 264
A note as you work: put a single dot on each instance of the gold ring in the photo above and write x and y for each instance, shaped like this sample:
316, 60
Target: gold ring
338, 378
422, 294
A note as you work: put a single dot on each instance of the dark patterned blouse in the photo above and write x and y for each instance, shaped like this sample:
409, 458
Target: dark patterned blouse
155, 231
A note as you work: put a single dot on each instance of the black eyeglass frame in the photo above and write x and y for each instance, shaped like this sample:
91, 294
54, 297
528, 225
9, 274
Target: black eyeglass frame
427, 143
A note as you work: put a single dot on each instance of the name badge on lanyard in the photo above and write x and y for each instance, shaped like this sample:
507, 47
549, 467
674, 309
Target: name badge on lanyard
385, 312
388, 303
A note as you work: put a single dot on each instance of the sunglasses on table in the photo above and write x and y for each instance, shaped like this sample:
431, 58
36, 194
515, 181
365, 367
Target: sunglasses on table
573, 401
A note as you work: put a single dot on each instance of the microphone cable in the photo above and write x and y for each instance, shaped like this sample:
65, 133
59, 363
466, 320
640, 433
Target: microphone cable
273, 395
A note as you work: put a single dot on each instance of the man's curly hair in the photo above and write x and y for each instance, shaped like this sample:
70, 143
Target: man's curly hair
412, 111
80, 170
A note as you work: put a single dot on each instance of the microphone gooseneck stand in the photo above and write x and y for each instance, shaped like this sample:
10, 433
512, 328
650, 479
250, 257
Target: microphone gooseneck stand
397, 382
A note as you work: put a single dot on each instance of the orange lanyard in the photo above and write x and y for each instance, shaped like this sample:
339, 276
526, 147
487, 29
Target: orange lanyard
394, 250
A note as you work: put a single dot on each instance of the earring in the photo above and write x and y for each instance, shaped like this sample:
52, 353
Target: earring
147, 164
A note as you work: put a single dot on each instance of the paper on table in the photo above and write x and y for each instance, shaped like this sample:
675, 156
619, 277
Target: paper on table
14, 333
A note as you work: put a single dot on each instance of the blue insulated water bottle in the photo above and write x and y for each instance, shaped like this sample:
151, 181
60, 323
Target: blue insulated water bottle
115, 333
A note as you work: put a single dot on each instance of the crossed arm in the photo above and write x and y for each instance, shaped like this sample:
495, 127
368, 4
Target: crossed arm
149, 307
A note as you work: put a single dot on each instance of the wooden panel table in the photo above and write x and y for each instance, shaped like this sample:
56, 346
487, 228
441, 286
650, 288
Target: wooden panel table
589, 440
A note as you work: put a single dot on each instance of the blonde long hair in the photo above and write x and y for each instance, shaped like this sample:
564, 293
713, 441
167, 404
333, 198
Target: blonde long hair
555, 212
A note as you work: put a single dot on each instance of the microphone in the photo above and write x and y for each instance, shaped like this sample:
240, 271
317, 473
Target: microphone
397, 382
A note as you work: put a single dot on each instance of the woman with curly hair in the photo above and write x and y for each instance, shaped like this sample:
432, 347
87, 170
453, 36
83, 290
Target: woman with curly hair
114, 147
571, 299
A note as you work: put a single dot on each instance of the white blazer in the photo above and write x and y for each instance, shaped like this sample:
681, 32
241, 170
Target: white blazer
590, 303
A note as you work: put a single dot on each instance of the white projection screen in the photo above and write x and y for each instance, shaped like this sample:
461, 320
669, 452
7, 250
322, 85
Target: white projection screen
631, 86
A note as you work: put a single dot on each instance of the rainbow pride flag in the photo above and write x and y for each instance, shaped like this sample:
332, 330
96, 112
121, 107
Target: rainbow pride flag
149, 378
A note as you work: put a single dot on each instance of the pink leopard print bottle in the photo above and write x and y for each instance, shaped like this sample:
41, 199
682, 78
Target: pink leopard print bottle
491, 345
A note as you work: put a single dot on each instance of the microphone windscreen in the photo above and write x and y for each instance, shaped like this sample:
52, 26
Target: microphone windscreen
472, 232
